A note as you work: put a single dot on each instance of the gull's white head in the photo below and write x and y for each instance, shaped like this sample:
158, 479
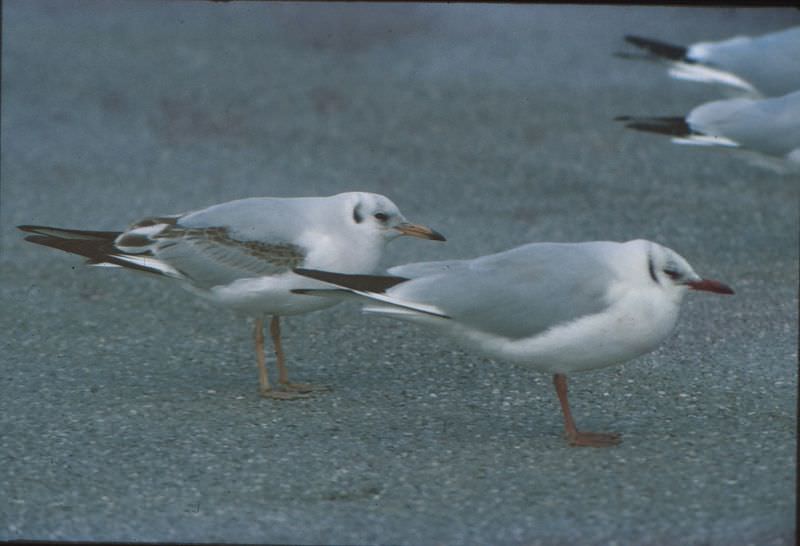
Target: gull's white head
672, 272
371, 213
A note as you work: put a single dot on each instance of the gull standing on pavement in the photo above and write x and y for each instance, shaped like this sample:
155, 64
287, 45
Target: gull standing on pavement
557, 307
768, 129
240, 254
760, 66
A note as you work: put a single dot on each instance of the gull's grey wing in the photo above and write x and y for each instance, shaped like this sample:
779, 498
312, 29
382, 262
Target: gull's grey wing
770, 126
421, 269
516, 293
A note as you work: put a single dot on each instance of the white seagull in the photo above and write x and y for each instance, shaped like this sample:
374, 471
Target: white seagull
557, 307
240, 254
765, 65
769, 129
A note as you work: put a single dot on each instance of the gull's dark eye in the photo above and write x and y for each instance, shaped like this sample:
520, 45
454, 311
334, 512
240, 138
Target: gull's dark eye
672, 274
381, 216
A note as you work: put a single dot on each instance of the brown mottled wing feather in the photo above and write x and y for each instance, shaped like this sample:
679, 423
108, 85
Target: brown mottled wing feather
211, 256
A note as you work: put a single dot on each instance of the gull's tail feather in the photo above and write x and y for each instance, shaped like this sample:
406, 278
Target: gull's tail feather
98, 247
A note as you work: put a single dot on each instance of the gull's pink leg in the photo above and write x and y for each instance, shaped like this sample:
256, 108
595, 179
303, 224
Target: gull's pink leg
574, 436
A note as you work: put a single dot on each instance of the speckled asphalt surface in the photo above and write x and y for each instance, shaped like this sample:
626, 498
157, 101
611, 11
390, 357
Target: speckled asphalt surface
128, 409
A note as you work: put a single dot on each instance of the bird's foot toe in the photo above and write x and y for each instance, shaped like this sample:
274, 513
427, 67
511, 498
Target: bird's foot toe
282, 395
594, 439
305, 387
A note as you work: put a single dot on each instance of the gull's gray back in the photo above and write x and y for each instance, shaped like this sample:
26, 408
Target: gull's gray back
771, 126
258, 218
516, 293
421, 269
770, 62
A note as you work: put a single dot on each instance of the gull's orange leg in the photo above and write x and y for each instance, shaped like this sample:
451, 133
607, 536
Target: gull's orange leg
283, 374
264, 388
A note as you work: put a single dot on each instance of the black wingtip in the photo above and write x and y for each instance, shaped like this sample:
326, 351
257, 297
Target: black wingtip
67, 233
436, 236
304, 291
659, 49
95, 251
96, 246
38, 239
672, 126
629, 55
365, 283
319, 291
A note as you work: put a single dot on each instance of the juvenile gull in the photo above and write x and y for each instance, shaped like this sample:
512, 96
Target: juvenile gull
557, 307
240, 254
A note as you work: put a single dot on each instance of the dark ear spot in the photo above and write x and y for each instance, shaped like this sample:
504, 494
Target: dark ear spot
357, 216
652, 269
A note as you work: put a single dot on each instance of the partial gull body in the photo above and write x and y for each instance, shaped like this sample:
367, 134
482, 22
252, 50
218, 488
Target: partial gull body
761, 66
767, 127
240, 254
557, 307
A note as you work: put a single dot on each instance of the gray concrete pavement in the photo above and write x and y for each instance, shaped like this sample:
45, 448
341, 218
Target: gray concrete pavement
128, 409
